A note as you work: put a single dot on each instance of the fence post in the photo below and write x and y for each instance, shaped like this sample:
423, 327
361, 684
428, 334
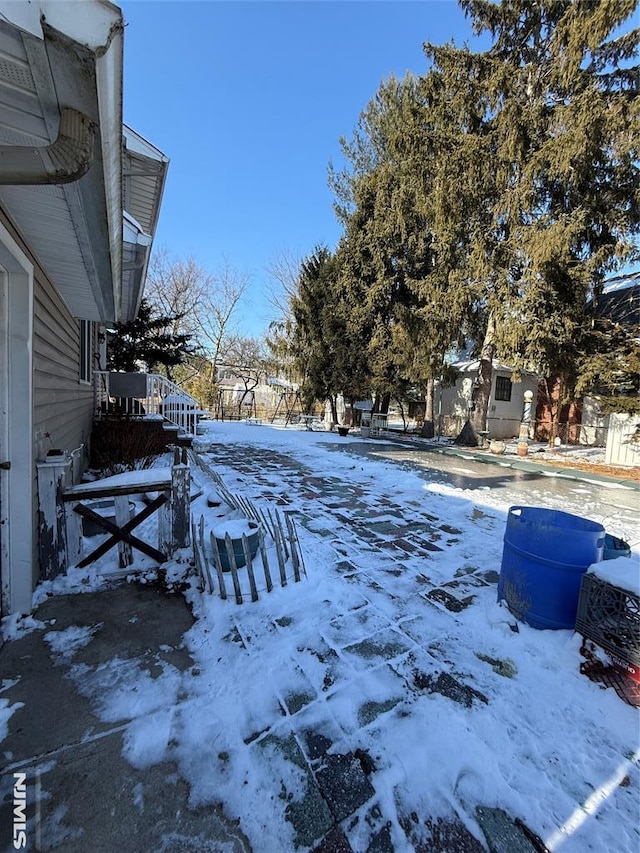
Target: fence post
165, 543
180, 499
54, 475
125, 555
74, 533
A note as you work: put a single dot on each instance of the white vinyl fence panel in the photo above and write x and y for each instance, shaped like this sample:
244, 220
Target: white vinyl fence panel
620, 449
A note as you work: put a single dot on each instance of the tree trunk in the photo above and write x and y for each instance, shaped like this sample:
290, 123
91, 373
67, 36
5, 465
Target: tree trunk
334, 409
555, 406
427, 430
401, 407
482, 390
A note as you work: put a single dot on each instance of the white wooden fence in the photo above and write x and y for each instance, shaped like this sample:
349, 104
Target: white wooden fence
620, 448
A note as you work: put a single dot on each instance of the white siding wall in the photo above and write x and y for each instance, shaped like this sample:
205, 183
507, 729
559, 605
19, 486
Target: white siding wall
452, 403
593, 429
503, 416
62, 405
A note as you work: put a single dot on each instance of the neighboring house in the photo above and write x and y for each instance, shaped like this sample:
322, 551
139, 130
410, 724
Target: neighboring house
620, 299
581, 421
71, 259
506, 403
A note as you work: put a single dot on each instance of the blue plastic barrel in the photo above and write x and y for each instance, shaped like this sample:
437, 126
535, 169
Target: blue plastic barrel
545, 554
615, 547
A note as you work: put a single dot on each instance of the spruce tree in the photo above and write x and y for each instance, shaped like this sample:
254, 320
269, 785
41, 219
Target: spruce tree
147, 339
320, 344
491, 196
408, 303
558, 116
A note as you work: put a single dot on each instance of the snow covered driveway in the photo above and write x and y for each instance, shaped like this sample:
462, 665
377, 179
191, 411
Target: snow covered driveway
389, 690
385, 702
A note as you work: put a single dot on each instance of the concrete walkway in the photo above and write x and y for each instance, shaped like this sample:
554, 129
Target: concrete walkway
82, 796
532, 464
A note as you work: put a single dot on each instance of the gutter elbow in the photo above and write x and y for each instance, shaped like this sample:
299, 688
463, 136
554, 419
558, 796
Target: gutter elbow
62, 162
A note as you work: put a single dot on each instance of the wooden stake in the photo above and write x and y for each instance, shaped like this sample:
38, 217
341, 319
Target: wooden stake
281, 560
265, 560
234, 569
218, 564
295, 531
294, 550
204, 556
275, 527
264, 521
284, 538
247, 557
196, 552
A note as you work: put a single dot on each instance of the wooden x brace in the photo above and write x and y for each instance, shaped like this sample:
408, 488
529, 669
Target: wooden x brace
122, 534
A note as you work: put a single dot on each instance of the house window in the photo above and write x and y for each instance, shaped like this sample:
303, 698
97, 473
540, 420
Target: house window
85, 350
503, 388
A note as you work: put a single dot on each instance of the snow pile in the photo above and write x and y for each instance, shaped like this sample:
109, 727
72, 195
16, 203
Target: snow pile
623, 572
236, 528
64, 644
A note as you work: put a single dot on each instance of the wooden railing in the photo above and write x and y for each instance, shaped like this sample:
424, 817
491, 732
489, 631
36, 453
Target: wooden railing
144, 395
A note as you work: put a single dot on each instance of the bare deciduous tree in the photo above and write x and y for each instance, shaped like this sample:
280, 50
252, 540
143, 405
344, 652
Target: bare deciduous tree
176, 288
201, 304
216, 321
284, 271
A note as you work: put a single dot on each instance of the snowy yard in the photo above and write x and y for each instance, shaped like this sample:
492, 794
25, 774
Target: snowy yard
386, 690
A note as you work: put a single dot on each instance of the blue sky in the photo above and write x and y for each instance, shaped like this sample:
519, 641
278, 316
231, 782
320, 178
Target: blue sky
249, 100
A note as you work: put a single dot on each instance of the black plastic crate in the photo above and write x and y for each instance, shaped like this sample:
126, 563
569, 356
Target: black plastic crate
610, 617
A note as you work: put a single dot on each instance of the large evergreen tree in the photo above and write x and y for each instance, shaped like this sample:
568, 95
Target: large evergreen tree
406, 300
325, 354
558, 118
491, 196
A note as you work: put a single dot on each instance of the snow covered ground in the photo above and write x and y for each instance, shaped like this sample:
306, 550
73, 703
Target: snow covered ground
387, 689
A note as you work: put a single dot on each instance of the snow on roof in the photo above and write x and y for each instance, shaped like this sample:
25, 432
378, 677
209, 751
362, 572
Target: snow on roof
474, 365
621, 282
620, 300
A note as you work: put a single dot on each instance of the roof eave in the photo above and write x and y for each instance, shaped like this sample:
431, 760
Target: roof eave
109, 73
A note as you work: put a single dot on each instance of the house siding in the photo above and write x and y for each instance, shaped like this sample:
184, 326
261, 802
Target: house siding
503, 416
62, 404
